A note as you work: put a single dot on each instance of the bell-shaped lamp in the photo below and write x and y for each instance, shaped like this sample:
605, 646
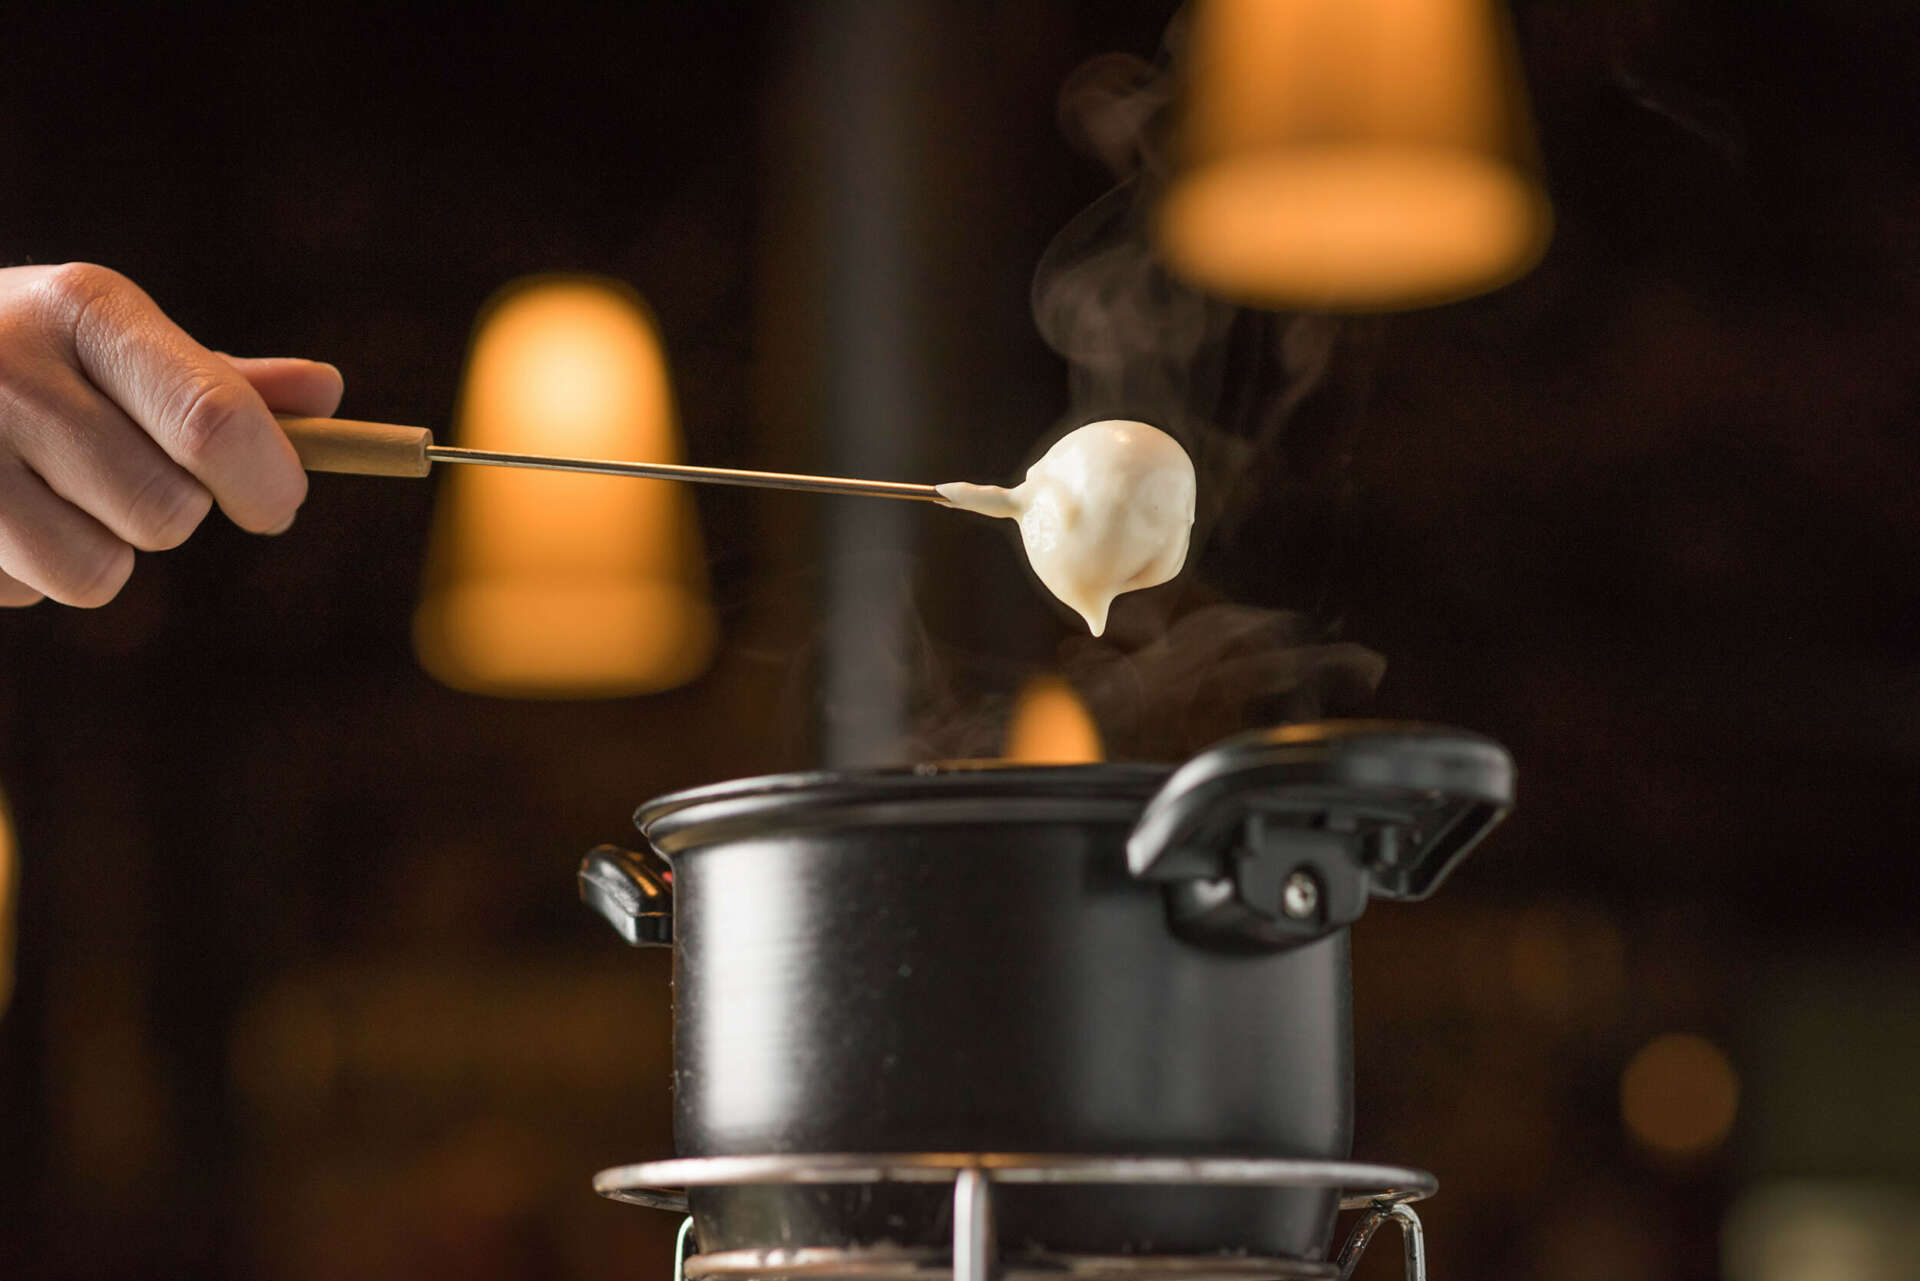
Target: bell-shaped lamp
558, 585
1051, 726
1351, 155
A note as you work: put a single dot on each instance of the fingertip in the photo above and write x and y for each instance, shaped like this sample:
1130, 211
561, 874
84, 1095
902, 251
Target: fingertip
298, 500
268, 508
284, 524
335, 386
15, 594
289, 488
189, 507
273, 527
113, 576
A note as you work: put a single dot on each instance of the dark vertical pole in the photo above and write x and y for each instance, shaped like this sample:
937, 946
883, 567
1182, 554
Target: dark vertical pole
913, 178
860, 58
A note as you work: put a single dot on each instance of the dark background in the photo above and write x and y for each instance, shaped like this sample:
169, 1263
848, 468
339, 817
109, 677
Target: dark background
302, 989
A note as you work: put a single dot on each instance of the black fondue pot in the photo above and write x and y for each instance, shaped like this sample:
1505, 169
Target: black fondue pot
1101, 959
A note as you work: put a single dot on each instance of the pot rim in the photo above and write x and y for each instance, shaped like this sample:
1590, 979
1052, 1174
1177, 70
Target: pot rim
938, 792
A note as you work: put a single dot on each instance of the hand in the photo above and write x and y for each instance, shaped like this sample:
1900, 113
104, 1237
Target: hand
118, 431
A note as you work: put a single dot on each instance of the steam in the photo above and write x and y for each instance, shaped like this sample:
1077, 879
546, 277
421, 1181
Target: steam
1216, 670
1140, 344
1708, 119
1208, 673
1180, 666
1133, 337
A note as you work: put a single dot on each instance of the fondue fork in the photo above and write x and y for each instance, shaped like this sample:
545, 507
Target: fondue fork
389, 449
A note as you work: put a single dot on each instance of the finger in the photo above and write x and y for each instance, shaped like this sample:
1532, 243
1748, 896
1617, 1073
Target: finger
54, 547
195, 405
291, 386
92, 455
14, 594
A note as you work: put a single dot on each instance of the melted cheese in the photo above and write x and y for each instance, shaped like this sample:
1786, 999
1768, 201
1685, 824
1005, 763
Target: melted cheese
1107, 510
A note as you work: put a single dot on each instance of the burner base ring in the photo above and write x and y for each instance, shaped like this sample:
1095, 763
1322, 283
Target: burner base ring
883, 1263
1383, 1191
658, 1184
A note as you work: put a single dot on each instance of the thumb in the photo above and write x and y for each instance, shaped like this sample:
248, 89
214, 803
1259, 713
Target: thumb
290, 385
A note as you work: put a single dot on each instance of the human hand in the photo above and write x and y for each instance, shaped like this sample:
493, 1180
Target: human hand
118, 431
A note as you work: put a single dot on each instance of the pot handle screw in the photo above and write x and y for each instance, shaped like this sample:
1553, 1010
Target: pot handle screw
1300, 898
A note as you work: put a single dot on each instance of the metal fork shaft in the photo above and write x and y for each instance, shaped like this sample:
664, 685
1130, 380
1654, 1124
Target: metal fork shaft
686, 472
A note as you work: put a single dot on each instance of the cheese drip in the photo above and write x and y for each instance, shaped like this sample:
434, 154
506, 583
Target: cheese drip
1107, 510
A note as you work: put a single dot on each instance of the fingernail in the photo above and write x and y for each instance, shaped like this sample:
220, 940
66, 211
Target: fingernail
276, 532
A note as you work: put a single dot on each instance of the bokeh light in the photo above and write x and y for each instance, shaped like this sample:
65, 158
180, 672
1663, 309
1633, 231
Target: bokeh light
1051, 726
1679, 1094
1823, 1230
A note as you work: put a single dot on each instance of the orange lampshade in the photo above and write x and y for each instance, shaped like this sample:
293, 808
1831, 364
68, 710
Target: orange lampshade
1051, 726
9, 878
550, 585
1352, 155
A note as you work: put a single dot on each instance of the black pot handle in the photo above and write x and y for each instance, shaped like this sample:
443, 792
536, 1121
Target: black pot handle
633, 891
1279, 837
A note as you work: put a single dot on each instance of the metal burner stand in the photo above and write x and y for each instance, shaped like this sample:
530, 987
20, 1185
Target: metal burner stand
1382, 1191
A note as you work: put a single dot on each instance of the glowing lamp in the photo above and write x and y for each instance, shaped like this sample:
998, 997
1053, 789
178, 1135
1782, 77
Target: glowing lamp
551, 585
1051, 726
1351, 155
8, 877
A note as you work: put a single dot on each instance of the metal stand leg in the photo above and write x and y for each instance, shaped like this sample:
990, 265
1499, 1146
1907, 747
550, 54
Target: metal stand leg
680, 1244
1413, 1241
973, 1234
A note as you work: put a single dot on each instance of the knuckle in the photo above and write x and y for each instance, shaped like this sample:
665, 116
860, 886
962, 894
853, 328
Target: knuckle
75, 288
165, 511
205, 413
75, 298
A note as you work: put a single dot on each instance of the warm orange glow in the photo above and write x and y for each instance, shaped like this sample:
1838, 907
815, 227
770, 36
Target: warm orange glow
1051, 726
1679, 1094
545, 585
1352, 155
9, 875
